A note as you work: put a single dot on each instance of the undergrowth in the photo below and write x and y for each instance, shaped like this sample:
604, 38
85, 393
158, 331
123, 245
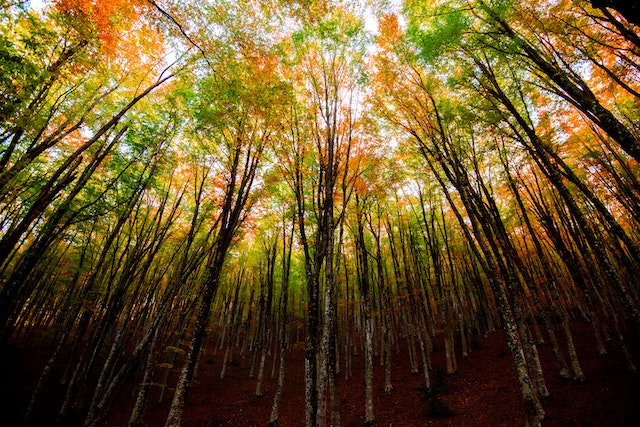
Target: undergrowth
437, 407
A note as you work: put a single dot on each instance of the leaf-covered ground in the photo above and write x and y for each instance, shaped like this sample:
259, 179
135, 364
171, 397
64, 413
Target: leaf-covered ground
484, 391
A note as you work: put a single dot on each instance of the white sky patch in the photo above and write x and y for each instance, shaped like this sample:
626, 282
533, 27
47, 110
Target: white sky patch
38, 5
370, 21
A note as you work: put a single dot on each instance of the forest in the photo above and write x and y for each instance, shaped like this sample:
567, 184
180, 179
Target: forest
302, 195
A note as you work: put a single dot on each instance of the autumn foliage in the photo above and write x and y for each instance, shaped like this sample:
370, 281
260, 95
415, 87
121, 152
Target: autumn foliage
371, 183
109, 21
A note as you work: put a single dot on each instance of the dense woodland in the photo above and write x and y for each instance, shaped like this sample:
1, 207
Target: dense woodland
344, 175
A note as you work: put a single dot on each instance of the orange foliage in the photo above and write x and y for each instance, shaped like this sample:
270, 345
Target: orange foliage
389, 30
109, 18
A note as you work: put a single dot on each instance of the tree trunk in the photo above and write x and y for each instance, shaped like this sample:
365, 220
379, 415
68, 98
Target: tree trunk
284, 320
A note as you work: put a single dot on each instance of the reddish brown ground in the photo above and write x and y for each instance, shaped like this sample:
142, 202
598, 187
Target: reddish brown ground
484, 392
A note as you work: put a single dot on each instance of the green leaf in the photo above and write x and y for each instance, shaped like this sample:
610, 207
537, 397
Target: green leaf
436, 31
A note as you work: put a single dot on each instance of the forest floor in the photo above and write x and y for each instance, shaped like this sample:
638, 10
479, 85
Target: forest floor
484, 391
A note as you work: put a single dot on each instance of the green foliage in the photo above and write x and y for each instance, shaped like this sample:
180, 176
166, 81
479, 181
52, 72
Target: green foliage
13, 67
293, 92
340, 33
26, 45
437, 31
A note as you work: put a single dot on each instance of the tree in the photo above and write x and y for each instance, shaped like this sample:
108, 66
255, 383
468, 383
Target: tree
236, 114
179, 176
322, 52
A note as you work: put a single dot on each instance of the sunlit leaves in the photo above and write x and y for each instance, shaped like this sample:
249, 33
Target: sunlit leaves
443, 99
107, 20
437, 28
389, 29
19, 72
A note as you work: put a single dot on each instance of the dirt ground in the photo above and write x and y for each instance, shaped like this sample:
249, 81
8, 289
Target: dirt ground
484, 391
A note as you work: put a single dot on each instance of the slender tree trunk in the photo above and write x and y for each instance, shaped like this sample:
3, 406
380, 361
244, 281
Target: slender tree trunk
533, 408
284, 320
270, 252
365, 288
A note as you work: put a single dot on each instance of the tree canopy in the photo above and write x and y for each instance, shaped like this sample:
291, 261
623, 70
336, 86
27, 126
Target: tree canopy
174, 170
